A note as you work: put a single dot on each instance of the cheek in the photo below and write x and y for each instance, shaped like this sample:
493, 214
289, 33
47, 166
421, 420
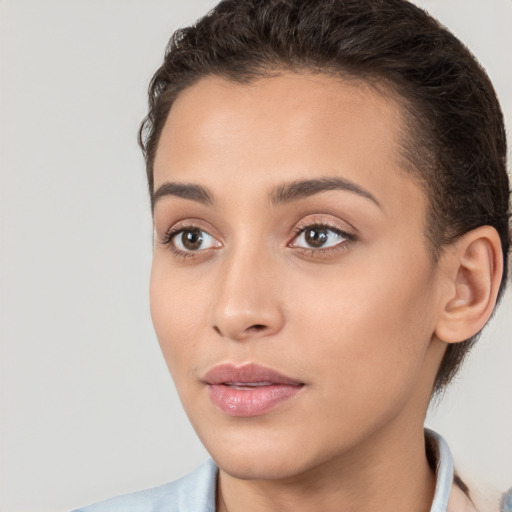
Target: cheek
367, 328
177, 305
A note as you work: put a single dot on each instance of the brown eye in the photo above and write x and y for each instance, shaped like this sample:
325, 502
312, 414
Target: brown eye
320, 237
193, 240
316, 237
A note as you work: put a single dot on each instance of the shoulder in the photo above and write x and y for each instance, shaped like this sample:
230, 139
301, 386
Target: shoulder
456, 491
483, 495
194, 492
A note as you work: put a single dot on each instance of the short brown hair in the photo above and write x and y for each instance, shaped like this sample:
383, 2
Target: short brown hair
455, 143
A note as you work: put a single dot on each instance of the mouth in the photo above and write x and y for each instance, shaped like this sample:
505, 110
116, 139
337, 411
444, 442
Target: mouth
249, 390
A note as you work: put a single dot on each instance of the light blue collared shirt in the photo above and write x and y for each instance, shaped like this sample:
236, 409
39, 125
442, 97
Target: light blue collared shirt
196, 491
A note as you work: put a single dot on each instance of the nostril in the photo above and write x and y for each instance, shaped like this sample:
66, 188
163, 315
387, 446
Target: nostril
257, 327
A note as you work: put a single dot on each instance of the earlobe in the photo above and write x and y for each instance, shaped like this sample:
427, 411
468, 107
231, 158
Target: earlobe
473, 269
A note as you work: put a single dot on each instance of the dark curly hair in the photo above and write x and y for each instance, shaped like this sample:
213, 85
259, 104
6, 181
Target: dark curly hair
454, 137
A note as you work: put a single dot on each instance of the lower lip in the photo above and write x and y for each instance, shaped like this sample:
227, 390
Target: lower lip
250, 402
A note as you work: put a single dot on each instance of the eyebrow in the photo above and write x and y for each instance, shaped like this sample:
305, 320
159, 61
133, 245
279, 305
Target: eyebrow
297, 190
185, 191
284, 193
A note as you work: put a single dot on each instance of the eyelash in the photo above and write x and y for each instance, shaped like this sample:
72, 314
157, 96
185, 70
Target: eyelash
175, 231
298, 230
342, 246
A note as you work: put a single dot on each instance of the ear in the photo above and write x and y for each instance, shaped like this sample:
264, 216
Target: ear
472, 268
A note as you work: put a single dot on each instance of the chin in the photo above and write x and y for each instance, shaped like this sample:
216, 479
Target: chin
261, 466
261, 453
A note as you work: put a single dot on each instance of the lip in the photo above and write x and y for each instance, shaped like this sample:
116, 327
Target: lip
248, 390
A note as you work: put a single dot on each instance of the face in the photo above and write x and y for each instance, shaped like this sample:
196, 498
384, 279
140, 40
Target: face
292, 291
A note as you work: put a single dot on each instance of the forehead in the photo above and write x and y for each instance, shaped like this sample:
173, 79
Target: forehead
284, 128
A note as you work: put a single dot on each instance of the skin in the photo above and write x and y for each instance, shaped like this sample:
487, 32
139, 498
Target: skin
355, 322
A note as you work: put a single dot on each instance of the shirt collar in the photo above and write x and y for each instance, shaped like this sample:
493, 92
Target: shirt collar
440, 452
203, 496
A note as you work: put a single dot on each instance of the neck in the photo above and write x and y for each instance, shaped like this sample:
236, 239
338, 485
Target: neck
388, 474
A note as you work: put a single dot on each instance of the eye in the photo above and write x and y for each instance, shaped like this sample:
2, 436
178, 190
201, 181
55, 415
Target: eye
192, 240
320, 237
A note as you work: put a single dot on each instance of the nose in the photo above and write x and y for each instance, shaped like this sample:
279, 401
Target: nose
247, 301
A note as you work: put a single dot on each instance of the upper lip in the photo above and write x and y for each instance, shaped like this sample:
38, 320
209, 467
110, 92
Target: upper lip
247, 374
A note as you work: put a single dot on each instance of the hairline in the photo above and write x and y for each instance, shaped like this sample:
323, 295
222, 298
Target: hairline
408, 124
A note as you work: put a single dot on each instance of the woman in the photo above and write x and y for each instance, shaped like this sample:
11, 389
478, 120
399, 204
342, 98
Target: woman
331, 213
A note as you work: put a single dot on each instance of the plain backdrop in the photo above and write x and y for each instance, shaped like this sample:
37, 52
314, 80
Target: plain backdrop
87, 407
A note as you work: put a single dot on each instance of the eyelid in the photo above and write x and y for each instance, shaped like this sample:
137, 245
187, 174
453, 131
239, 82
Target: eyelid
180, 227
177, 240
303, 225
299, 230
311, 221
187, 224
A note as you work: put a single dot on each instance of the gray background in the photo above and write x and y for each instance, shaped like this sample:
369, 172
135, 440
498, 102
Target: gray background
87, 407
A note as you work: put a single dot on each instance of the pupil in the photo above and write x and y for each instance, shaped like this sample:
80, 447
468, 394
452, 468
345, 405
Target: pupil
316, 237
192, 239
